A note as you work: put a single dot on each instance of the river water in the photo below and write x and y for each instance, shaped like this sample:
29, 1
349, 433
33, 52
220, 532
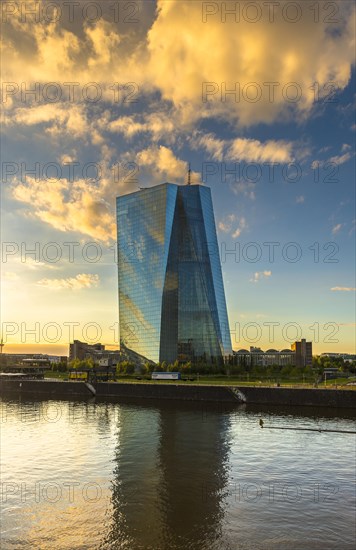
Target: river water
162, 476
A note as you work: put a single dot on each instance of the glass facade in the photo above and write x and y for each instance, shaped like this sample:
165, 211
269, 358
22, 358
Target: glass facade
171, 295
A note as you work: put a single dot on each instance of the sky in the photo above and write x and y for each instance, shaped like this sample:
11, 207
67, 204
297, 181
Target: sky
99, 98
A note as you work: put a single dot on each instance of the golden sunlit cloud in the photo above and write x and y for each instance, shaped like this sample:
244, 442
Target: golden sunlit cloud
253, 54
260, 275
252, 150
56, 203
83, 280
162, 162
101, 52
232, 224
343, 289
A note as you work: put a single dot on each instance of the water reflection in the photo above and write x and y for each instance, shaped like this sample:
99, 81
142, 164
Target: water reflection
158, 501
174, 476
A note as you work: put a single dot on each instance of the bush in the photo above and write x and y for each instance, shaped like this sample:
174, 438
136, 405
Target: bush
149, 367
286, 370
186, 368
81, 364
59, 367
174, 367
125, 367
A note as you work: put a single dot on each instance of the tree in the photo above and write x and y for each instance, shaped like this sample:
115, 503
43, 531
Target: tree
75, 363
286, 370
164, 366
125, 367
176, 366
150, 367
60, 367
295, 372
186, 368
130, 368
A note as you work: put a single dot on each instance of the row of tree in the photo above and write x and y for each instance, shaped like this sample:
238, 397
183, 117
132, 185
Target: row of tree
273, 371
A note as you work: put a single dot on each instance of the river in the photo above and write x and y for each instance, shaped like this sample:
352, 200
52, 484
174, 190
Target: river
164, 476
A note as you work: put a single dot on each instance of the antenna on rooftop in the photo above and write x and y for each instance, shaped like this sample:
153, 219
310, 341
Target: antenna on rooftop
189, 174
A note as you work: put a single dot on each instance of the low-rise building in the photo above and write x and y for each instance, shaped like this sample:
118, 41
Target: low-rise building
96, 352
8, 359
258, 357
82, 350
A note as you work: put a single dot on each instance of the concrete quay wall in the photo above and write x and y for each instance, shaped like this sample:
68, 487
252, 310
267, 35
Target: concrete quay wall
331, 398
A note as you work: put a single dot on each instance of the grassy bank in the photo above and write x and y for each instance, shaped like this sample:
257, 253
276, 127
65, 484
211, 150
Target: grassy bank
227, 381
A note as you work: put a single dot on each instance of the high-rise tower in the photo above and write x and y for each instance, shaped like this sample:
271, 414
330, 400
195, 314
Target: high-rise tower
171, 295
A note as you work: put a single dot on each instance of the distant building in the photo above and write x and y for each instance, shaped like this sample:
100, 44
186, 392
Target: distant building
96, 352
82, 350
303, 353
110, 359
258, 357
8, 359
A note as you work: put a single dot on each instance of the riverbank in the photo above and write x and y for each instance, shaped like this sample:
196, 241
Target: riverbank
258, 395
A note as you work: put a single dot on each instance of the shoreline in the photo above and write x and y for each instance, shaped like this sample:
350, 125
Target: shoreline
256, 395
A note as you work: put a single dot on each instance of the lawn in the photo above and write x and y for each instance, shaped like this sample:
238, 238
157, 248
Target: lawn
217, 380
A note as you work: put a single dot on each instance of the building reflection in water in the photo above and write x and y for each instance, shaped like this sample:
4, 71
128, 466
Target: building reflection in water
158, 498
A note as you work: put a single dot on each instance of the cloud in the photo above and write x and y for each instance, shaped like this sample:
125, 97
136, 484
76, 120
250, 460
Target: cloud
258, 275
88, 52
340, 159
245, 188
337, 159
336, 228
226, 224
88, 207
170, 94
241, 150
64, 118
68, 159
157, 124
232, 224
127, 126
214, 146
343, 289
83, 280
345, 147
32, 263
253, 54
105, 52
241, 226
253, 150
300, 199
10, 276
224, 227
160, 164
105, 41
69, 205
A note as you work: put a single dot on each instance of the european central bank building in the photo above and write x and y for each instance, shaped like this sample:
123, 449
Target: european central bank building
171, 295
